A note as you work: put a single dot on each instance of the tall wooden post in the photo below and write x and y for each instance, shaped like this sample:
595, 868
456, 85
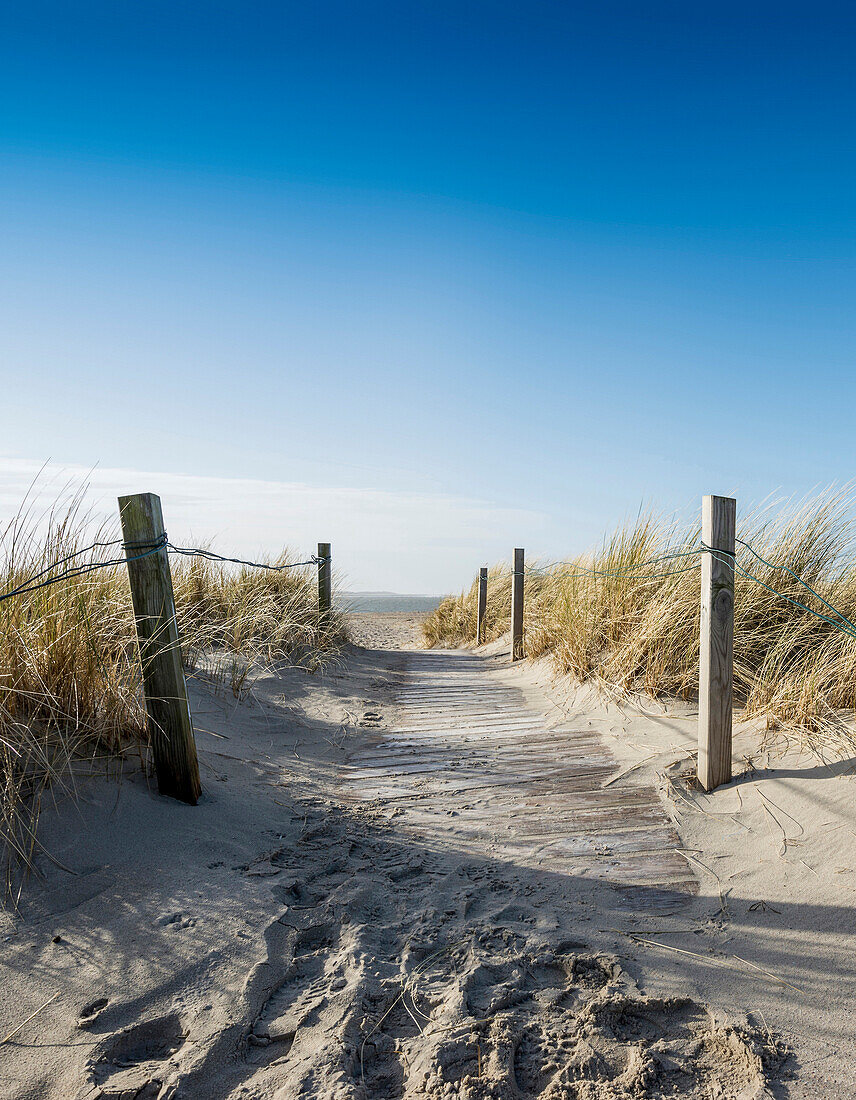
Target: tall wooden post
517, 606
716, 658
169, 722
325, 577
481, 606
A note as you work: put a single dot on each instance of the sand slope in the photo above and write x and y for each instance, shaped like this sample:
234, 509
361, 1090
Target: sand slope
276, 941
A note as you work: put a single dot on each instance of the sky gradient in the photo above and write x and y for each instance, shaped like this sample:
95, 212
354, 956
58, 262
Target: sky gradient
428, 280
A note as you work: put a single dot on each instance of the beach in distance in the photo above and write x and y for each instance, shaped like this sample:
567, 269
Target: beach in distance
387, 601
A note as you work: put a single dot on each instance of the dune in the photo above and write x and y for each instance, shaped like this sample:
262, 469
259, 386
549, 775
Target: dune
434, 874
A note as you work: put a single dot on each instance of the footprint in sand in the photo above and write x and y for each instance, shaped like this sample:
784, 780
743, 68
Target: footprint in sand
380, 1067
295, 1002
625, 1046
568, 1027
177, 921
546, 978
91, 1011
132, 1064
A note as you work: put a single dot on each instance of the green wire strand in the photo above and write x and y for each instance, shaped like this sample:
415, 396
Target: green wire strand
70, 574
845, 626
620, 573
797, 577
34, 583
624, 572
727, 559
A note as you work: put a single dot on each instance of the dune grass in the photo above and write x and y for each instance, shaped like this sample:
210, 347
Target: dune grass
611, 620
70, 686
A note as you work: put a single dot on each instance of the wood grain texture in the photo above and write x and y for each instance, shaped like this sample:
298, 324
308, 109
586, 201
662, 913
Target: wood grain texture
481, 605
716, 654
517, 646
325, 577
169, 721
512, 787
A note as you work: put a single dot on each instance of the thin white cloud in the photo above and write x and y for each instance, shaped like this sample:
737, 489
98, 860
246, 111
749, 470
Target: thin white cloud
384, 540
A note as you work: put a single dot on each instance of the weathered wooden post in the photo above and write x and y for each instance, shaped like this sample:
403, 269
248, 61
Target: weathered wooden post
325, 577
170, 725
716, 657
481, 605
517, 606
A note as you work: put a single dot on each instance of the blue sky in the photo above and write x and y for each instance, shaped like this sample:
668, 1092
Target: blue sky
430, 280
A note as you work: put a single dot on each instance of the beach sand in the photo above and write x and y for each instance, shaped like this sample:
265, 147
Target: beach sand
280, 940
385, 629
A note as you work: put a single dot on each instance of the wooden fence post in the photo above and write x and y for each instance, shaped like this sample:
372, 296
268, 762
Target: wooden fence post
716, 656
482, 605
170, 725
325, 577
517, 606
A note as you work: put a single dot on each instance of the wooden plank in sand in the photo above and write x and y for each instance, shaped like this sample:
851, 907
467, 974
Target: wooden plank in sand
481, 605
169, 722
483, 779
517, 605
716, 659
325, 577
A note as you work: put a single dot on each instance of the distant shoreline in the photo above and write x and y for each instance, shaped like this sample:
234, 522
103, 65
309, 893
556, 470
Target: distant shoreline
386, 601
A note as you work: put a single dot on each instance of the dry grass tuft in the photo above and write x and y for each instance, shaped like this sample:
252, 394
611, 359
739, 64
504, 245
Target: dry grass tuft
70, 688
232, 621
635, 628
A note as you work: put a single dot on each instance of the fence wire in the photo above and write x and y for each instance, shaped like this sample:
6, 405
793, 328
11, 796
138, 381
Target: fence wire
209, 555
632, 571
42, 580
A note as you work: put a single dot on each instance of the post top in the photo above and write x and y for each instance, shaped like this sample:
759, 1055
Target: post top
137, 496
140, 512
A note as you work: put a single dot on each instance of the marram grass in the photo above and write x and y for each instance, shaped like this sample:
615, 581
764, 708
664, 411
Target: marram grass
629, 628
70, 685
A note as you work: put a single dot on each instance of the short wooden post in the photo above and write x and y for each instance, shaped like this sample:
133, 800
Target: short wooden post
325, 577
170, 725
481, 605
517, 606
716, 657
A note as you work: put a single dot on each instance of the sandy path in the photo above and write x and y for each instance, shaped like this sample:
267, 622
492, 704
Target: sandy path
472, 763
295, 936
385, 629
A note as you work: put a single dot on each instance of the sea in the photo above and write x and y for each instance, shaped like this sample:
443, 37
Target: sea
386, 601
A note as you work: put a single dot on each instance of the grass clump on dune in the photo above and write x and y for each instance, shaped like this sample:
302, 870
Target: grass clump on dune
612, 620
70, 682
232, 621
